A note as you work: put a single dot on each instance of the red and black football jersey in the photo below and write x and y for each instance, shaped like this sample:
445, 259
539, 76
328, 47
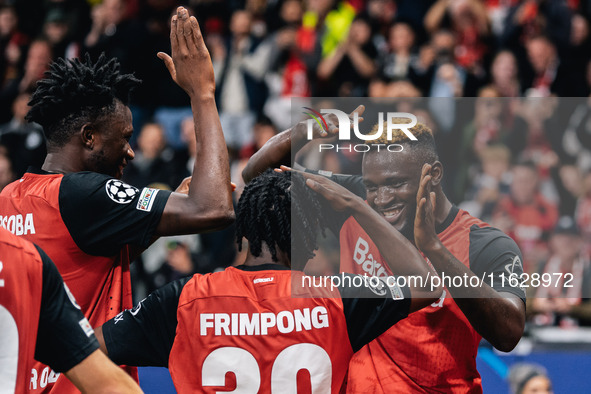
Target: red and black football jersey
256, 329
85, 222
435, 348
37, 317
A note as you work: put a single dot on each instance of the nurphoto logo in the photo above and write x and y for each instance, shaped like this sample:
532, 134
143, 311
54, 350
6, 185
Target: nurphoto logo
346, 124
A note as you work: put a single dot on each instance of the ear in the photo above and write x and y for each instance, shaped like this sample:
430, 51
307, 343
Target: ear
436, 173
87, 134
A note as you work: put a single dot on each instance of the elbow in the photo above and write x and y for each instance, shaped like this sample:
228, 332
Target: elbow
223, 218
507, 339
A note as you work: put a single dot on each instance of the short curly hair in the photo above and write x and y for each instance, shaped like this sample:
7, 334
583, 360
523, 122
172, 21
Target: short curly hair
74, 92
424, 145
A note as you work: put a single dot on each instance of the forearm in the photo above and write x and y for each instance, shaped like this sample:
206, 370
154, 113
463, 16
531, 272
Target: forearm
434, 15
98, 375
210, 188
362, 63
277, 151
498, 317
330, 63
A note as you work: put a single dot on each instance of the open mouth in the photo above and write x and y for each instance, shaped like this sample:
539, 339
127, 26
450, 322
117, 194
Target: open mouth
392, 214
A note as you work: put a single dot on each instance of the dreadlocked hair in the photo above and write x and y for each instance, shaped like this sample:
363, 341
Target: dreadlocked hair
74, 92
270, 207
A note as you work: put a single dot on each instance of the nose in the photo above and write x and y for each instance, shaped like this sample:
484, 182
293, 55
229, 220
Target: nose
384, 197
130, 153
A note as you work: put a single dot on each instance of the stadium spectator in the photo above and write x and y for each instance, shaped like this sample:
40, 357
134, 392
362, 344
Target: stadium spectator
504, 74
455, 243
24, 141
37, 310
526, 215
529, 378
153, 163
91, 223
346, 72
490, 184
239, 76
280, 217
400, 61
36, 63
551, 75
6, 173
566, 302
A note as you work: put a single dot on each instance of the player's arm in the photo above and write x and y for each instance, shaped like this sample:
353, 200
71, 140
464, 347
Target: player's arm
96, 374
279, 149
208, 205
497, 315
65, 340
143, 336
400, 255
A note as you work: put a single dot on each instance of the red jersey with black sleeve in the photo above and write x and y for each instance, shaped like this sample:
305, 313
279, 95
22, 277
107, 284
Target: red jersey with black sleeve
260, 324
85, 222
435, 348
35, 312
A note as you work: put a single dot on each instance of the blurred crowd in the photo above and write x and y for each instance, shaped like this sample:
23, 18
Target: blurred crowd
517, 153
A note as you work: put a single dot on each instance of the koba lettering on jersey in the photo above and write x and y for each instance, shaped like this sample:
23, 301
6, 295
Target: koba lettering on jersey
260, 323
16, 225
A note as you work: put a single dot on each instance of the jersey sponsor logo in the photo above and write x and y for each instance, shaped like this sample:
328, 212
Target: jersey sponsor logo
86, 327
16, 225
263, 280
260, 323
146, 199
366, 261
120, 192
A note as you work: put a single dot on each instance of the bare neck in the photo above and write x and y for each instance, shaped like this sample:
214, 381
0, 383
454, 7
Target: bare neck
64, 160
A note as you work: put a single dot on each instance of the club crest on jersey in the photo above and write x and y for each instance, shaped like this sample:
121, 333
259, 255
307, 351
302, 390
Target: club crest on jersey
120, 192
376, 286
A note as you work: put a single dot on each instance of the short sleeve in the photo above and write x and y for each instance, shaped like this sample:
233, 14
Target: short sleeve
143, 336
60, 314
372, 305
103, 214
494, 256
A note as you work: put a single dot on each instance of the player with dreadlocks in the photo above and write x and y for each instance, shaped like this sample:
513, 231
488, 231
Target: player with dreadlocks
269, 325
76, 207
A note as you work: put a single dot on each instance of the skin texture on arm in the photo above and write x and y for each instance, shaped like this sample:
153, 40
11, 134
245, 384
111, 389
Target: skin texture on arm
96, 374
402, 257
498, 317
278, 150
208, 204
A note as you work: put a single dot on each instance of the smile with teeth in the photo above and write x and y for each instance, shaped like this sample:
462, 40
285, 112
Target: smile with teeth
391, 212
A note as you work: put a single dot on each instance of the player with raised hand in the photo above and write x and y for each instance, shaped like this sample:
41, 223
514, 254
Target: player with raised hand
434, 349
36, 311
76, 207
277, 330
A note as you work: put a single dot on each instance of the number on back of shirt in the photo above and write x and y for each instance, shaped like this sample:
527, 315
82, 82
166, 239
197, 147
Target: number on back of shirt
287, 364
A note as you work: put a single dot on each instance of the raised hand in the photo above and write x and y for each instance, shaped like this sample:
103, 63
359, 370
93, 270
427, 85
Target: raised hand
424, 231
190, 65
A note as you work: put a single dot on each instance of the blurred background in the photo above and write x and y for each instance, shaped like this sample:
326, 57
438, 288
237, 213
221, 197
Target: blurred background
505, 85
